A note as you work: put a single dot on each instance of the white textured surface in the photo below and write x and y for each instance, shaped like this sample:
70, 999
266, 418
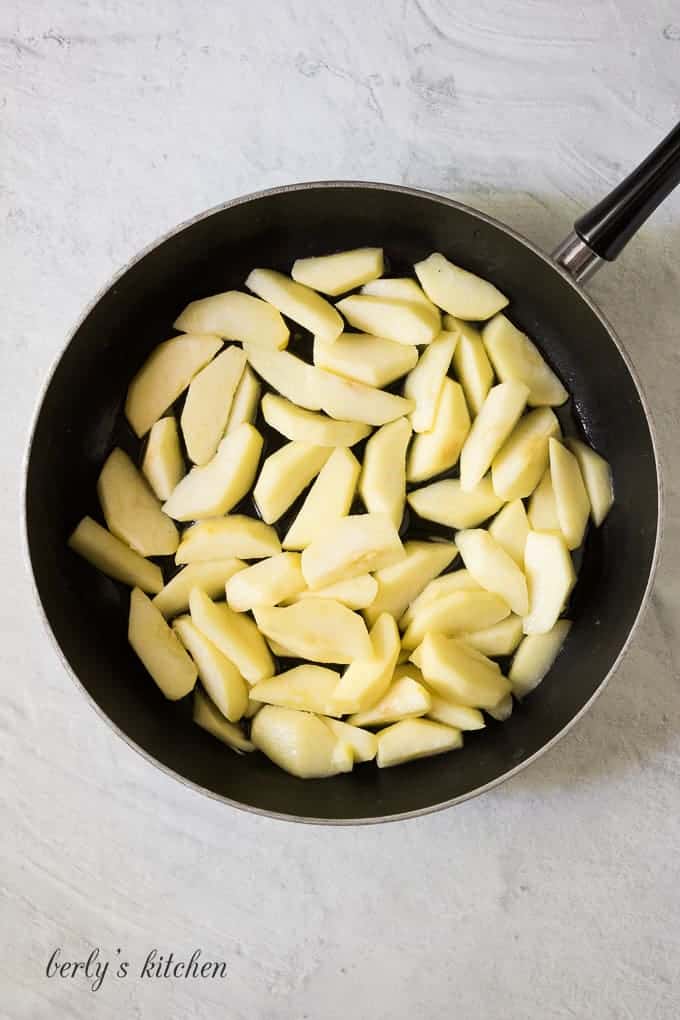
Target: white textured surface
556, 896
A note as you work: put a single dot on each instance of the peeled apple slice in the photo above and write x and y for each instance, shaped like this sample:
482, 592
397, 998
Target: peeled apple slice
455, 614
493, 568
534, 658
542, 511
352, 545
353, 401
266, 583
216, 487
210, 719
364, 744
438, 450
208, 402
501, 639
364, 358
246, 400
497, 417
503, 710
223, 682
400, 584
404, 699
210, 577
415, 738
285, 474
510, 528
295, 423
131, 510
329, 498
357, 593
368, 678
458, 291
307, 688
299, 303
225, 537
115, 559
571, 497
405, 322
514, 356
292, 377
163, 463
446, 503
338, 273
424, 383
159, 648
597, 478
382, 485
235, 316
458, 672
234, 634
165, 374
471, 362
550, 576
520, 464
320, 630
300, 743
439, 588
451, 714
401, 288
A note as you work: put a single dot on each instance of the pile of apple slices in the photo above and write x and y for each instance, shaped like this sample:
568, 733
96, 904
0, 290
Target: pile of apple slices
393, 650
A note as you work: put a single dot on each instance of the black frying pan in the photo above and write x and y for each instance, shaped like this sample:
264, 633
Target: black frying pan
80, 419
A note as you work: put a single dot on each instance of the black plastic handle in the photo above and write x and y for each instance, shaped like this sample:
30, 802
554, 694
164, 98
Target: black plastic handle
608, 227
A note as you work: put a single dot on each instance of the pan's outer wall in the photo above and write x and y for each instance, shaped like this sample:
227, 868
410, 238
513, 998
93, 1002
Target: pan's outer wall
73, 433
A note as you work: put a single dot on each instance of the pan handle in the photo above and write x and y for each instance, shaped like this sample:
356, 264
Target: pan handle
602, 232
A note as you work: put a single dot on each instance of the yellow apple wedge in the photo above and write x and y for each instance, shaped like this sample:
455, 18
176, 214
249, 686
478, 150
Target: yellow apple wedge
571, 497
402, 288
350, 546
329, 498
471, 363
363, 743
292, 377
514, 356
357, 593
210, 577
163, 463
235, 535
300, 743
405, 698
208, 402
219, 676
458, 291
246, 401
400, 584
500, 639
493, 568
295, 422
285, 474
367, 678
266, 583
114, 558
597, 478
458, 672
131, 510
209, 718
534, 658
234, 634
445, 502
550, 577
411, 739
336, 274
235, 316
438, 588
438, 450
510, 528
382, 485
353, 401
320, 630
450, 714
521, 462
299, 303
404, 322
365, 359
455, 614
159, 648
503, 710
308, 688
542, 512
497, 418
424, 383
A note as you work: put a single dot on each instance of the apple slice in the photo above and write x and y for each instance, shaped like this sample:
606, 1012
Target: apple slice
438, 450
163, 463
299, 303
439, 588
458, 291
521, 462
497, 418
458, 672
131, 510
223, 682
534, 658
208, 402
460, 716
500, 639
295, 423
365, 359
210, 719
404, 699
159, 648
266, 583
503, 710
300, 743
357, 593
210, 577
290, 376
216, 487
493, 568
115, 559
285, 474
542, 511
510, 528
411, 739
338, 273
401, 288
234, 634
424, 383
445, 502
550, 576
382, 485
368, 678
515, 357
455, 614
232, 536
364, 744
405, 322
329, 498
246, 400
571, 497
353, 401
235, 316
470, 362
351, 546
320, 630
398, 585
597, 478
165, 374
307, 688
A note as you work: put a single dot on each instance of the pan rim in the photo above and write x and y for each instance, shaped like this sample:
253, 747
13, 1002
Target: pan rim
485, 218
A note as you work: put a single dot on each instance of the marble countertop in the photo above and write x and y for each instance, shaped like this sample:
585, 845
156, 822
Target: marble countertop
554, 896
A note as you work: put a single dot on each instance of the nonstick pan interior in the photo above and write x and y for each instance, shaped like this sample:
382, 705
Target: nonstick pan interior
80, 420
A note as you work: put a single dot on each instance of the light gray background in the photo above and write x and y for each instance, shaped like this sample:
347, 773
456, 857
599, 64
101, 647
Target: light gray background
556, 896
